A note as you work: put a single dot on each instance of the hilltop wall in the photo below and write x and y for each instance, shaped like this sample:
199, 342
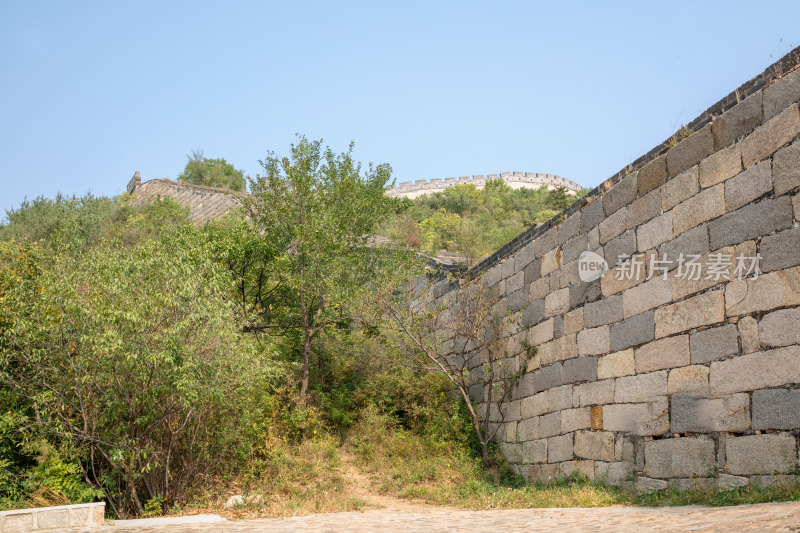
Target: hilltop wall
657, 377
515, 180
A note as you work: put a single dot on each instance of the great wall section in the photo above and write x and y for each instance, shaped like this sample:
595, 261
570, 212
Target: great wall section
655, 377
515, 180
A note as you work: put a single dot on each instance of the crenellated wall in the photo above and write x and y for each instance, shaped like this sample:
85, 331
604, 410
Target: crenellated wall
657, 376
515, 180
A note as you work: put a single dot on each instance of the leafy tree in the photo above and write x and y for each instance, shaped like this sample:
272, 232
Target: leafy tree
317, 208
210, 172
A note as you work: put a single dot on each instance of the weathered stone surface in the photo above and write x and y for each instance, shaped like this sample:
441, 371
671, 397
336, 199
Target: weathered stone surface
700, 310
737, 121
559, 349
541, 333
539, 289
559, 398
642, 419
573, 248
533, 405
753, 183
543, 473
650, 294
748, 333
521, 259
640, 388
551, 261
594, 445
689, 379
533, 314
515, 282
673, 458
654, 233
727, 482
646, 485
694, 241
517, 300
594, 341
511, 451
690, 151
559, 448
680, 188
721, 166
547, 377
601, 312
18, 523
569, 228
759, 370
533, 272
528, 429
692, 414
556, 303
534, 451
493, 276
613, 225
592, 215
780, 328
585, 468
715, 343
622, 245
616, 364
751, 221
621, 194
545, 242
652, 175
643, 209
56, 518
770, 136
573, 321
584, 292
796, 207
594, 240
575, 419
786, 169
702, 207
760, 454
632, 331
579, 369
776, 289
613, 473
780, 251
595, 393
663, 353
776, 409
781, 93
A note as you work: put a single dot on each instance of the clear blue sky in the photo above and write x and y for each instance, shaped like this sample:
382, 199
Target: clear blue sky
92, 91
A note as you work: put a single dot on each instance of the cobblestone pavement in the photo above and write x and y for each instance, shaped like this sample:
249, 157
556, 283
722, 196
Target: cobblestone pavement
750, 518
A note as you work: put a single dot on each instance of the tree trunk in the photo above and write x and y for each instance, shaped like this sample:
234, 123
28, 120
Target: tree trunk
309, 334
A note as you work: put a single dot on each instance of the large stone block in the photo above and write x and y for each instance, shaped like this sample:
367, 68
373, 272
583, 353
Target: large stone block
689, 379
622, 246
573, 321
786, 169
776, 409
528, 429
702, 207
690, 151
545, 242
751, 222
694, 241
643, 209
541, 333
557, 303
780, 328
641, 419
613, 225
592, 215
721, 166
621, 194
575, 419
753, 183
761, 454
18, 523
517, 300
559, 349
770, 136
539, 289
579, 369
780, 251
532, 314
515, 282
594, 341
748, 333
583, 467
781, 93
737, 121
776, 289
582, 293
650, 294
692, 414
652, 175
543, 473
559, 448
759, 370
640, 388
595, 393
680, 188
654, 233
597, 445
569, 228
663, 353
559, 398
534, 451
715, 343
533, 405
616, 364
572, 249
601, 312
674, 458
701, 310
547, 377
632, 331
614, 473
521, 259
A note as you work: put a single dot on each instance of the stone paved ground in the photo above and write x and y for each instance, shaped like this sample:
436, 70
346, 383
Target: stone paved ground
750, 518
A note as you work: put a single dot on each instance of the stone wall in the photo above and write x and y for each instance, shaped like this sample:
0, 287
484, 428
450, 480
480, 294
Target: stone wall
660, 377
204, 203
61, 518
515, 180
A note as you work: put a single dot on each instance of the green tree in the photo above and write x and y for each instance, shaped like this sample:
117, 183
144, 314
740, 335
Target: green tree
318, 209
210, 172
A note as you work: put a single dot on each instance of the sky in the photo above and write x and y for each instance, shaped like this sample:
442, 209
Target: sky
92, 91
